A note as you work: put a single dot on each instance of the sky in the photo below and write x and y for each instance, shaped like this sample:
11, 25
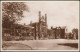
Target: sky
59, 13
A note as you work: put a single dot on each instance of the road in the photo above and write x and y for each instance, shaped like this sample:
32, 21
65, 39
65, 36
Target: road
53, 44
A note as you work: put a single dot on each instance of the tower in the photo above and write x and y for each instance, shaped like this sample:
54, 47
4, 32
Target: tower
39, 16
42, 26
46, 18
46, 23
39, 30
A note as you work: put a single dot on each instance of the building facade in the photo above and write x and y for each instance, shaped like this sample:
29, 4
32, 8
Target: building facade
37, 30
56, 33
40, 27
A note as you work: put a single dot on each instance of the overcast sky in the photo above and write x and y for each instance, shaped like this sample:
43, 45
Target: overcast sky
59, 13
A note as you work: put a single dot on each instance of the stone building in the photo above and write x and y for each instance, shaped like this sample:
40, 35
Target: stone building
42, 32
56, 33
40, 27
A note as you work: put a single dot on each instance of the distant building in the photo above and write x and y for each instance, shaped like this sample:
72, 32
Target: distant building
37, 30
56, 33
72, 35
75, 33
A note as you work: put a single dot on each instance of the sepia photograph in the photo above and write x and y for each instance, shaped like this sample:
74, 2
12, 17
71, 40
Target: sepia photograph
40, 25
